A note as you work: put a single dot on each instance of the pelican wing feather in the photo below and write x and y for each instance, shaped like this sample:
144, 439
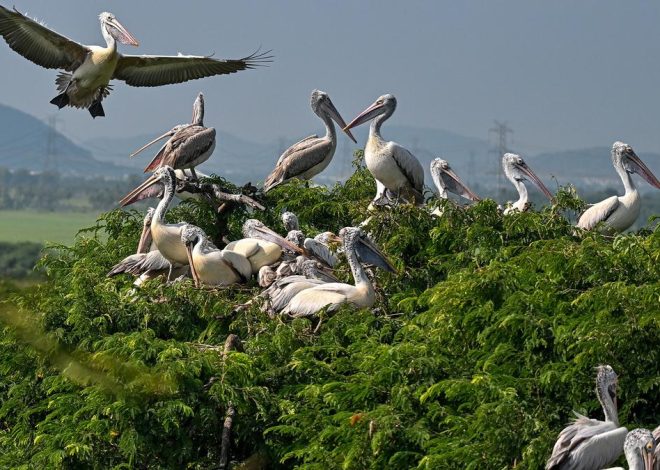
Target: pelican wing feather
39, 44
410, 167
300, 158
184, 148
149, 70
309, 301
598, 213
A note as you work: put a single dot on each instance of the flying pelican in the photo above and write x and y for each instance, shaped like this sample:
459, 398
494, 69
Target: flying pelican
188, 145
620, 212
167, 237
89, 69
517, 171
639, 448
210, 266
590, 443
446, 180
394, 168
310, 156
332, 295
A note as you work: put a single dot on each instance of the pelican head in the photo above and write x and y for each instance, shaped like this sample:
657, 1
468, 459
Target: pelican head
639, 448
191, 235
198, 111
169, 133
384, 105
290, 221
322, 105
446, 180
253, 228
624, 157
607, 382
164, 175
517, 171
112, 27
354, 238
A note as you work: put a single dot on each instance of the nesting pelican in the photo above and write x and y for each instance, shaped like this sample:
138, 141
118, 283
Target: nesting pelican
209, 265
618, 213
188, 145
517, 171
591, 443
310, 156
447, 181
89, 69
395, 169
332, 295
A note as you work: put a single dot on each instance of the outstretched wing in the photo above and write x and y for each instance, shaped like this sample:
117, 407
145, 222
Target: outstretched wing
39, 44
146, 70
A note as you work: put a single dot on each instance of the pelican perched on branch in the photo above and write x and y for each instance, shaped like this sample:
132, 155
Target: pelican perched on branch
167, 237
310, 156
447, 181
188, 145
517, 171
394, 168
619, 212
209, 265
332, 295
89, 69
590, 443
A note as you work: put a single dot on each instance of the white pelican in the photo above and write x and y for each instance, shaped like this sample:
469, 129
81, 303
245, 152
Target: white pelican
446, 180
517, 171
209, 265
590, 443
89, 69
310, 156
394, 168
188, 145
639, 448
334, 294
619, 212
316, 247
167, 237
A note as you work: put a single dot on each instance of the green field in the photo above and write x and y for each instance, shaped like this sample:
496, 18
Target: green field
40, 227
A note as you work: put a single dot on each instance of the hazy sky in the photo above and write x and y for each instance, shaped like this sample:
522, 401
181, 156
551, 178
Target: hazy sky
564, 74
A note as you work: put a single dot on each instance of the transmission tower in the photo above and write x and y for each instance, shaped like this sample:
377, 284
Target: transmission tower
501, 130
50, 162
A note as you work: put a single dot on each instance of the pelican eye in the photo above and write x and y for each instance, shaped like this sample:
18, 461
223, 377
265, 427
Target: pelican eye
649, 445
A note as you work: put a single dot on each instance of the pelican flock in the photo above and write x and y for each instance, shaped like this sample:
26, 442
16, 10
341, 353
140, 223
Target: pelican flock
297, 270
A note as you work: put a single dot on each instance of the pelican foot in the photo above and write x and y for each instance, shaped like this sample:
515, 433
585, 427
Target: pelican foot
96, 109
60, 100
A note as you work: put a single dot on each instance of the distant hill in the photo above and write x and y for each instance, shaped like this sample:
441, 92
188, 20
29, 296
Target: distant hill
26, 142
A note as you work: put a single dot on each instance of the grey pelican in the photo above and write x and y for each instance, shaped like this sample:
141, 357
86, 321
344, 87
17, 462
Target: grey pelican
317, 246
167, 237
446, 180
89, 69
590, 443
333, 295
209, 265
639, 448
310, 156
656, 437
394, 168
188, 145
517, 171
619, 212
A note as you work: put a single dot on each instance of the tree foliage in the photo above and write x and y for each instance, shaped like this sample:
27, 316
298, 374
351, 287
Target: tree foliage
474, 356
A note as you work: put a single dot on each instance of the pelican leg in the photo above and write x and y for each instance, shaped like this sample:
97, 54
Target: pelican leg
61, 100
96, 109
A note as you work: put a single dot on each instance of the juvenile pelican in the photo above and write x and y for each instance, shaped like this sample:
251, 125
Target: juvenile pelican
316, 247
517, 171
167, 237
332, 295
393, 167
210, 266
639, 448
590, 443
446, 180
310, 156
188, 145
620, 212
89, 69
